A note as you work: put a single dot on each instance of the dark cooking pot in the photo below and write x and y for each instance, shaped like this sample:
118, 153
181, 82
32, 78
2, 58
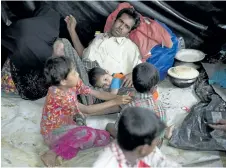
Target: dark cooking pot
182, 83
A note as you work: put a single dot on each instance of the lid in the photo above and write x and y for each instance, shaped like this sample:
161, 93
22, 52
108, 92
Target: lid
183, 72
189, 55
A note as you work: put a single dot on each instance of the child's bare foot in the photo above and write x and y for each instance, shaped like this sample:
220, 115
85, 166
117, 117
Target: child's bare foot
49, 158
59, 161
169, 132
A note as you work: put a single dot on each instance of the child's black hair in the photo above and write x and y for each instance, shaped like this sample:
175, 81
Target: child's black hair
94, 75
138, 126
145, 77
57, 69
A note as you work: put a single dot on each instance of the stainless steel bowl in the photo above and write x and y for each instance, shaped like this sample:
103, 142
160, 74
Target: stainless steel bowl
182, 83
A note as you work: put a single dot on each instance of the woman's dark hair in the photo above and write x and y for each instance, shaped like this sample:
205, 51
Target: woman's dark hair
138, 126
94, 75
57, 69
132, 13
145, 77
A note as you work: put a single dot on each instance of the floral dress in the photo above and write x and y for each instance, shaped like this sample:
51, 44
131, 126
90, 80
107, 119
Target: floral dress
58, 128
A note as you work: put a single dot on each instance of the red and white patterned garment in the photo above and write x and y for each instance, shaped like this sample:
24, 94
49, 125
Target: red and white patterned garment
60, 132
113, 157
61, 106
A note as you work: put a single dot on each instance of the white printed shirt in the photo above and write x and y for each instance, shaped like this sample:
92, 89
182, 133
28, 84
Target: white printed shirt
113, 157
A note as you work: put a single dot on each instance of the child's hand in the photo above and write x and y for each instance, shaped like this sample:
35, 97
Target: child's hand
124, 99
83, 115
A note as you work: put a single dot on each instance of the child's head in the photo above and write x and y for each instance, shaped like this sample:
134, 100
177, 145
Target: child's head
145, 77
60, 71
138, 129
99, 77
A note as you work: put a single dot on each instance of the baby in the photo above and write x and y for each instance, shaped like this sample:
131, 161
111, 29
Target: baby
138, 132
99, 77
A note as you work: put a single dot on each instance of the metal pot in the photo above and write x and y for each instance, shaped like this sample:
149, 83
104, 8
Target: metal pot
182, 83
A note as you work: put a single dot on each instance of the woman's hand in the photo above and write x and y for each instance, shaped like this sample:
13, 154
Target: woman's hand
71, 22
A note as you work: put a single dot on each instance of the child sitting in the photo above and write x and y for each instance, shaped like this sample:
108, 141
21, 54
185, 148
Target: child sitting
64, 137
138, 131
145, 79
99, 77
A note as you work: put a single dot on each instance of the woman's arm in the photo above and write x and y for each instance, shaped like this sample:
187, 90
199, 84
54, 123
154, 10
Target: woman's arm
71, 25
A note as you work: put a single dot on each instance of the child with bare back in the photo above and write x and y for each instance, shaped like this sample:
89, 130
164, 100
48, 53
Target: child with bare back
63, 135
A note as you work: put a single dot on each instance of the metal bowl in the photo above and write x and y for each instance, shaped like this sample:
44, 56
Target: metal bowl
182, 83
183, 76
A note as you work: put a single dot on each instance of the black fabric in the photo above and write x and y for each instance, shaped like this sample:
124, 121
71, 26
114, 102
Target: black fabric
30, 84
217, 57
30, 40
194, 133
195, 21
28, 43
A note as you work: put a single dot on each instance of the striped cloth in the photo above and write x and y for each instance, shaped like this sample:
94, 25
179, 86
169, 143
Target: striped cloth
82, 67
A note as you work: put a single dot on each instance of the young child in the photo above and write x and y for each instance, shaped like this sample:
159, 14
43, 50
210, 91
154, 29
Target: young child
145, 79
138, 131
64, 137
99, 77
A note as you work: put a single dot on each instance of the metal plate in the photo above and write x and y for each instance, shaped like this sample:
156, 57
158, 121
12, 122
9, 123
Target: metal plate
190, 55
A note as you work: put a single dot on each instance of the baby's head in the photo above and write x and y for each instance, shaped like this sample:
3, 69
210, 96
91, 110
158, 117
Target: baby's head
145, 77
99, 77
138, 131
60, 71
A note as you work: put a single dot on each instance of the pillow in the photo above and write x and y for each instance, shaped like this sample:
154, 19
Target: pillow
146, 36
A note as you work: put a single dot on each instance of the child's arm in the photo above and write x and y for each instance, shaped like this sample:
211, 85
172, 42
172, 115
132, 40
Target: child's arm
106, 107
83, 89
103, 95
114, 91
